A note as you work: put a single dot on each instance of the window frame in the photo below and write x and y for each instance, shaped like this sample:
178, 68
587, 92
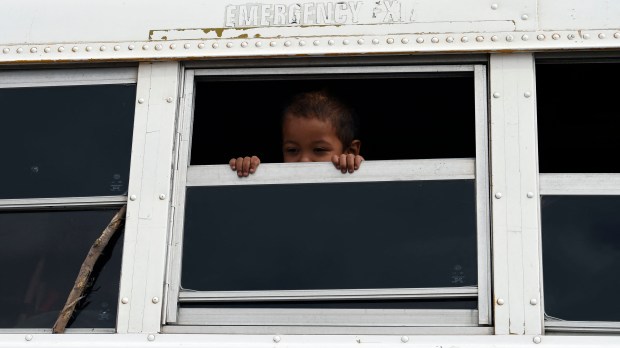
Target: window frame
193, 320
60, 78
577, 184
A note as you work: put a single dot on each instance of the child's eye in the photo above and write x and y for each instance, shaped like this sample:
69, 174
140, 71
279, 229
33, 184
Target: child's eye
320, 149
291, 150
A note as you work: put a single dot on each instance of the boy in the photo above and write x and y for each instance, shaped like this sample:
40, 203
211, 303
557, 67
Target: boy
316, 127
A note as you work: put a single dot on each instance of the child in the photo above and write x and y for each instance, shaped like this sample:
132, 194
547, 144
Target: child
316, 127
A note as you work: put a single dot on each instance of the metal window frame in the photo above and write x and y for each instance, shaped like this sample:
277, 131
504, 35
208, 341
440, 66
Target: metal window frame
59, 78
436, 169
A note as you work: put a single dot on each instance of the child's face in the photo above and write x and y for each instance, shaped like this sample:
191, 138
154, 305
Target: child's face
309, 140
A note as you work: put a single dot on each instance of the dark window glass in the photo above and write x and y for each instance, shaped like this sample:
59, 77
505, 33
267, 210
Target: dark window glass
41, 254
378, 304
432, 116
578, 119
66, 141
330, 236
581, 257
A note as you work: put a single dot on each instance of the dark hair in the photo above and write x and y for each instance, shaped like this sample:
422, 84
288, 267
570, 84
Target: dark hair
323, 106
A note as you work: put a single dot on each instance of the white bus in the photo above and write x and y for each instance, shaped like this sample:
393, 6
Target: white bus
486, 212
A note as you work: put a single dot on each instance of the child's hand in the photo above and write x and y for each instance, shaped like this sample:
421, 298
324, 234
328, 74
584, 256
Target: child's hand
244, 165
347, 162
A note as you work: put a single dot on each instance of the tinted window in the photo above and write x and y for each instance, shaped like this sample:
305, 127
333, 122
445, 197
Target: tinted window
581, 257
66, 141
41, 253
330, 236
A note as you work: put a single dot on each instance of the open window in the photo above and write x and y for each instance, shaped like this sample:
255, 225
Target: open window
402, 243
580, 193
66, 144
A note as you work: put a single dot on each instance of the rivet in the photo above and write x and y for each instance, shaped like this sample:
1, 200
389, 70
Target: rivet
47, 50
494, 6
404, 339
586, 36
124, 300
158, 47
229, 45
530, 195
500, 301
145, 47
33, 50
75, 49
103, 48
601, 36
616, 35
150, 337
419, 40
118, 48
390, 41
155, 300
316, 42
496, 95
509, 38
187, 46
527, 94
479, 38
88, 48
555, 36
28, 338
464, 39
169, 99
258, 44
215, 45
5, 51
19, 50
434, 40
533, 302
360, 41
60, 49
162, 196
498, 195
571, 36
525, 37
133, 197
131, 47
540, 37
537, 339
404, 41
345, 42
494, 38
201, 45
375, 41
244, 44
449, 39
331, 42
287, 43
272, 44
302, 43
524, 17
276, 339
173, 46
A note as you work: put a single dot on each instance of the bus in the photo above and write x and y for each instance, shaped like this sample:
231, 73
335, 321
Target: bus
486, 212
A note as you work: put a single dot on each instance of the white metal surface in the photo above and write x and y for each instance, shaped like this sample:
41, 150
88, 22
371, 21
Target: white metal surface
516, 243
304, 173
579, 184
147, 223
67, 77
61, 202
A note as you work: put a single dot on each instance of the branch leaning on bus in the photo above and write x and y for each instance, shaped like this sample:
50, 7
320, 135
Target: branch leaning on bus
316, 127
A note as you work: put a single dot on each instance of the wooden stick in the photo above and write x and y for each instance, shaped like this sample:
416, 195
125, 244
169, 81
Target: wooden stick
87, 267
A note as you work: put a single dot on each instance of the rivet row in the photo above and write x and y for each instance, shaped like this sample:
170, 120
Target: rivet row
330, 42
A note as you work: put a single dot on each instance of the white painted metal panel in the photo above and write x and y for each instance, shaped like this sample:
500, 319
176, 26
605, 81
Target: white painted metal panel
579, 184
67, 77
578, 14
144, 254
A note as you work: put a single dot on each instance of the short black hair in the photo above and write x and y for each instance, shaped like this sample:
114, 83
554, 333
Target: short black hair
326, 107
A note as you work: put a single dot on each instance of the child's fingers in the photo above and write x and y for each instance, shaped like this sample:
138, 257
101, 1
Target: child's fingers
343, 163
336, 161
246, 166
239, 166
233, 163
358, 162
351, 163
254, 162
